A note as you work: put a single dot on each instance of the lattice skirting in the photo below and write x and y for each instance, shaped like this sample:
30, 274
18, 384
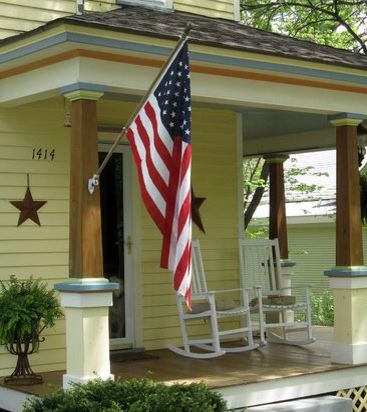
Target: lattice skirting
358, 396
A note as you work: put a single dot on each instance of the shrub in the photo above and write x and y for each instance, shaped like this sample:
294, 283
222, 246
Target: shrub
133, 395
322, 307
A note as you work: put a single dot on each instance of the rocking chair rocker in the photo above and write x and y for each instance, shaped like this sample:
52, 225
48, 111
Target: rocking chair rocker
275, 304
206, 307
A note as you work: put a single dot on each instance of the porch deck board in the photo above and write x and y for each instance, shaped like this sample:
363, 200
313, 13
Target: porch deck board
273, 361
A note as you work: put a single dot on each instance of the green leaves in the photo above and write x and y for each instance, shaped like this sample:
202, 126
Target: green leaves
336, 23
133, 395
26, 308
322, 307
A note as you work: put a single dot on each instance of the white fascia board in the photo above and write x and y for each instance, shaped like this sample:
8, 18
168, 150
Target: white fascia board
221, 90
39, 83
227, 91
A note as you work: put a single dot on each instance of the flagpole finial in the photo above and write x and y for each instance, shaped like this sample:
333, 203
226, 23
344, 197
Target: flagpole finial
92, 183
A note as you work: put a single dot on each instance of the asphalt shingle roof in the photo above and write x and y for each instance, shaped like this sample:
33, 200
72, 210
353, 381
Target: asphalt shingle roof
218, 32
210, 31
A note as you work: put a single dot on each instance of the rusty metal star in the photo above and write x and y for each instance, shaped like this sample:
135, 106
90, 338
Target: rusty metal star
196, 202
28, 208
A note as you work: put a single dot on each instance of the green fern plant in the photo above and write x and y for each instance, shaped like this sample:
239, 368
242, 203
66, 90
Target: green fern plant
27, 307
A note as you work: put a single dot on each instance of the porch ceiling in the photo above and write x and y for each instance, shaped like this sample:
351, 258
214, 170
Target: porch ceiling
271, 130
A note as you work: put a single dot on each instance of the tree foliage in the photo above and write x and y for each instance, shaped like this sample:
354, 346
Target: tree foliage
339, 23
255, 182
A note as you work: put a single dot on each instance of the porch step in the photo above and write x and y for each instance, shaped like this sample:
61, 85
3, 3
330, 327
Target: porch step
321, 403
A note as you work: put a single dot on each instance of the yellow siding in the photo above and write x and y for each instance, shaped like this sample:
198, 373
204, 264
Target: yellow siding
214, 177
30, 250
312, 247
212, 8
17, 16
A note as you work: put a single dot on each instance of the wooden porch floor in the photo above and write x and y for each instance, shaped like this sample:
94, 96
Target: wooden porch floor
272, 362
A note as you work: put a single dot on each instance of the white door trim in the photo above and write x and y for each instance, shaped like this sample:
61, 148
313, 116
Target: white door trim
128, 255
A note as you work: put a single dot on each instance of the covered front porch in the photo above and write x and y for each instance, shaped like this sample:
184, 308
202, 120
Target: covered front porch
271, 374
99, 83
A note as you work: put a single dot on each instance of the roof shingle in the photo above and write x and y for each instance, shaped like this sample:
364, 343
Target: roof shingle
218, 32
210, 31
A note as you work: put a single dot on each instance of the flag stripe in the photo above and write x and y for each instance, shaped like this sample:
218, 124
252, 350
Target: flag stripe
151, 162
167, 250
150, 204
147, 173
148, 120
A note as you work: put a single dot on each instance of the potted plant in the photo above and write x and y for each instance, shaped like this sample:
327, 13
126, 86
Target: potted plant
27, 307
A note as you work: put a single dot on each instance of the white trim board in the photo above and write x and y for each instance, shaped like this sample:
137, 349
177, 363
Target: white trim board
12, 400
275, 390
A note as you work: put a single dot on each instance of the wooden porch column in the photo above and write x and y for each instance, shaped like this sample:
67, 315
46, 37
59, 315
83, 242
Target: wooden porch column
348, 278
85, 244
349, 249
277, 215
87, 297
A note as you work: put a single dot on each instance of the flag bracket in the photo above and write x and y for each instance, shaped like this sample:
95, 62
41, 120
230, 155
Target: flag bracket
92, 183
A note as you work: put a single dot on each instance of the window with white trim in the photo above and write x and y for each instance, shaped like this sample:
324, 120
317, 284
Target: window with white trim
147, 3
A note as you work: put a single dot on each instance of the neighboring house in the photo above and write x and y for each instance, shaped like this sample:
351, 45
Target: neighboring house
310, 218
253, 92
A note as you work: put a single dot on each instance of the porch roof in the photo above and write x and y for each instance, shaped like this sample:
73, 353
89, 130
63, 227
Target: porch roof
208, 31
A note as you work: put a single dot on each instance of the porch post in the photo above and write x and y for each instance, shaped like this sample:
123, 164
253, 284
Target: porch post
277, 215
85, 253
348, 278
87, 295
278, 219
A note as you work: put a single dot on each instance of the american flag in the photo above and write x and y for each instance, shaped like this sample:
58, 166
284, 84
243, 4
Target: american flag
160, 139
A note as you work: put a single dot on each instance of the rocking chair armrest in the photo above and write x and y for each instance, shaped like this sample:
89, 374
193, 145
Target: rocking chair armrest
227, 290
201, 296
296, 287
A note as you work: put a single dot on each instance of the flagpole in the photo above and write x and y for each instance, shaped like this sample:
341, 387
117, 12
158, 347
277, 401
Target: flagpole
94, 180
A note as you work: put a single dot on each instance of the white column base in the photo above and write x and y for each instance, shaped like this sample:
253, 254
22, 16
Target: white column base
349, 353
86, 305
67, 380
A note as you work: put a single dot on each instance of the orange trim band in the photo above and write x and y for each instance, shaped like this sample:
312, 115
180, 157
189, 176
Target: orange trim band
150, 62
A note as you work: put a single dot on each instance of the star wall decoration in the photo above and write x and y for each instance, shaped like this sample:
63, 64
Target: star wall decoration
196, 202
28, 207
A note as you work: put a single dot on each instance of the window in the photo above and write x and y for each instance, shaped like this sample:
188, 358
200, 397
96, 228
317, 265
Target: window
148, 3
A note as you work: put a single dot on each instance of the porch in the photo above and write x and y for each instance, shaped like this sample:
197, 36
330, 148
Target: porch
272, 373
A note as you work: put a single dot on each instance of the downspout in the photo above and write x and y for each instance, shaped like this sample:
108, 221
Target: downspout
79, 7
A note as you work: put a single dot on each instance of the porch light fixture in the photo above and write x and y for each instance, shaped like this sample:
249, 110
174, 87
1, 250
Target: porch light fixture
67, 114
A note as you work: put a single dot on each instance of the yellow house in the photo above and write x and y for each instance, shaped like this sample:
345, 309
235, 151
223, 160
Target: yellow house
68, 82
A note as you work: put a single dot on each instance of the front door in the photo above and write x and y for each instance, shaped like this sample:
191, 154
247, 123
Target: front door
116, 241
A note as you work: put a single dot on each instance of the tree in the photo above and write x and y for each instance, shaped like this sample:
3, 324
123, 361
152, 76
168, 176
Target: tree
255, 179
339, 23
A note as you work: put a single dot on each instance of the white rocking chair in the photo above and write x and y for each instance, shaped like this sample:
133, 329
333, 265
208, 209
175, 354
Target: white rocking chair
275, 304
206, 307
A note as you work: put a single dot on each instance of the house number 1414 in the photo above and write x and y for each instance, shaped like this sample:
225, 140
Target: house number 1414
43, 154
